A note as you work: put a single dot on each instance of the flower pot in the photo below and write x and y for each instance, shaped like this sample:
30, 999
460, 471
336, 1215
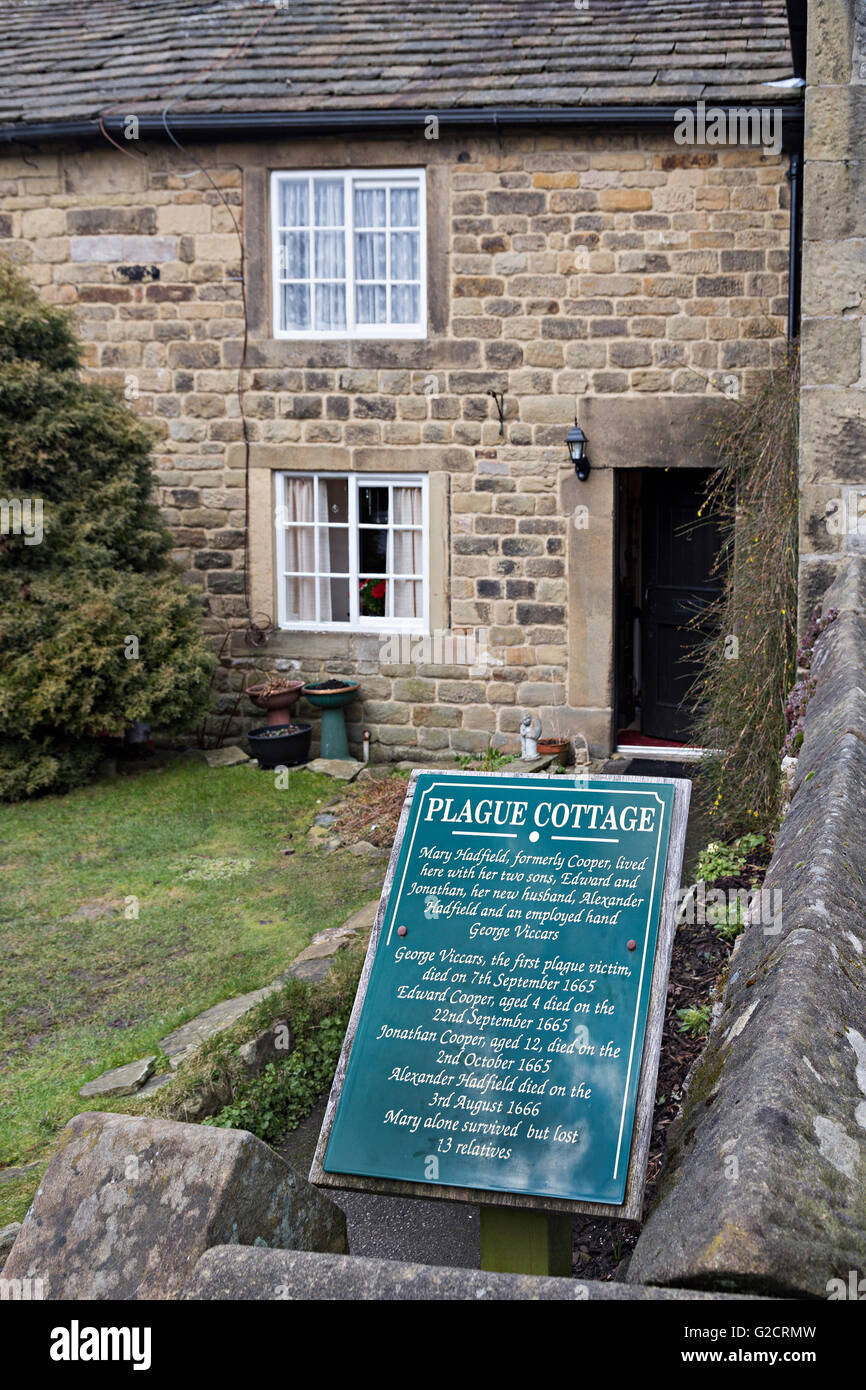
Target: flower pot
554, 748
281, 745
276, 702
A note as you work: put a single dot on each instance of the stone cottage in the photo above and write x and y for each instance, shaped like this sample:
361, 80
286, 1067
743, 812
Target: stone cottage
362, 267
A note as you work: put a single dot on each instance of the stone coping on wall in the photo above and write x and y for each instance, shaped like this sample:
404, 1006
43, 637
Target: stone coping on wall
764, 1187
244, 1273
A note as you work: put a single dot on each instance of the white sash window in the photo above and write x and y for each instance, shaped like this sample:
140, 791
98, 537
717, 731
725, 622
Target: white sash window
352, 552
349, 253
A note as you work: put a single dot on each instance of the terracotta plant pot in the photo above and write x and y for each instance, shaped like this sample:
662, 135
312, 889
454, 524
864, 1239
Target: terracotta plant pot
554, 748
276, 702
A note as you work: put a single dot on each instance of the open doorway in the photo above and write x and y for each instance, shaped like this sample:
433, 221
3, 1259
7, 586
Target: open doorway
665, 557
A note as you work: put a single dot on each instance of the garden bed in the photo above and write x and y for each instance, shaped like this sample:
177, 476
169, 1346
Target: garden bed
698, 965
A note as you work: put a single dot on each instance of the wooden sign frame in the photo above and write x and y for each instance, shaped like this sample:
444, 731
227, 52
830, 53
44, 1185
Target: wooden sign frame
631, 1208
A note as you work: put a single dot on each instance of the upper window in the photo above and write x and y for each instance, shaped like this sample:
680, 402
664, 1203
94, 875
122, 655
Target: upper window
352, 551
349, 254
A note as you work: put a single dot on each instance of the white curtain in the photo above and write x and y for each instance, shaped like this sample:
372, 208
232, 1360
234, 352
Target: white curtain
319, 268
324, 555
294, 213
371, 264
386, 248
408, 551
300, 548
294, 203
405, 256
329, 256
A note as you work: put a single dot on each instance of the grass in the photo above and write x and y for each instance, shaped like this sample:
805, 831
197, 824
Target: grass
130, 906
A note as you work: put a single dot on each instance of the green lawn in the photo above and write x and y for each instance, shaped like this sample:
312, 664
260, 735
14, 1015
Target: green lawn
87, 984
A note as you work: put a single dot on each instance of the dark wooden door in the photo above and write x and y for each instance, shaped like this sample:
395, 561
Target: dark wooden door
678, 552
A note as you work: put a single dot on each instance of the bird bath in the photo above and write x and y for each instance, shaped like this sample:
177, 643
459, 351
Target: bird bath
331, 696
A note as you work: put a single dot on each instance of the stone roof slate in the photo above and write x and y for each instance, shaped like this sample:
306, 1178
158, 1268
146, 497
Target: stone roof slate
79, 59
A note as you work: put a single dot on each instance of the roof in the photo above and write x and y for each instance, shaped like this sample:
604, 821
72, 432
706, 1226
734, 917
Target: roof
82, 58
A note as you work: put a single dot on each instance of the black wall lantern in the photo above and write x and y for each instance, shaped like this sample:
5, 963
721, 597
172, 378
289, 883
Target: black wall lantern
576, 441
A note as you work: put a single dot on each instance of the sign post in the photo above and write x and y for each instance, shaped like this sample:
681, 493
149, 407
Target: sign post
504, 1044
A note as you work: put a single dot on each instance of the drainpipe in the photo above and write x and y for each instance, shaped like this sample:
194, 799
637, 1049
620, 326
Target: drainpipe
794, 247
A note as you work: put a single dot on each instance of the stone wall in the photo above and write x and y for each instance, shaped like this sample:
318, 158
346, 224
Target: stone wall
562, 271
764, 1188
833, 413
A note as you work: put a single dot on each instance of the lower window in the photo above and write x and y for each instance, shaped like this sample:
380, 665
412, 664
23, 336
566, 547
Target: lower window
352, 551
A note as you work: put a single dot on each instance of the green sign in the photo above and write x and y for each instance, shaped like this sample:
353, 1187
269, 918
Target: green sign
498, 1046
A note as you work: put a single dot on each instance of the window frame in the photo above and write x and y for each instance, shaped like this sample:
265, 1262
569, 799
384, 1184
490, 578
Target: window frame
357, 623
370, 177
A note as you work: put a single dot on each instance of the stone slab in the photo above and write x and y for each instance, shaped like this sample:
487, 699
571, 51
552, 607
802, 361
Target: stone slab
522, 766
155, 1083
325, 944
312, 972
128, 1205
120, 1081
363, 919
225, 757
247, 1275
185, 1041
365, 849
342, 769
273, 1044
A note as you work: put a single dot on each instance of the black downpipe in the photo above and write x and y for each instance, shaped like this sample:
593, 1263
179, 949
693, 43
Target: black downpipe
795, 246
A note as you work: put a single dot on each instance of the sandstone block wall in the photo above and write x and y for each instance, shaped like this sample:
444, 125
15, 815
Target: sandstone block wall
833, 404
560, 269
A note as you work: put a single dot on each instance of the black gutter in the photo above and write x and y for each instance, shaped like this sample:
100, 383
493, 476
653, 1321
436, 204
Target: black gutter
262, 124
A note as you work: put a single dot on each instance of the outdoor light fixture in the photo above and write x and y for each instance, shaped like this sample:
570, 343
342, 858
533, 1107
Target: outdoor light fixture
576, 441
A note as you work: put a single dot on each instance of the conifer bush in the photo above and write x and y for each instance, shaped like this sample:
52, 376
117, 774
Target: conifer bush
97, 630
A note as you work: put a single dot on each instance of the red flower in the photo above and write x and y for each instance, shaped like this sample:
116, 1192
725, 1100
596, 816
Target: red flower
379, 590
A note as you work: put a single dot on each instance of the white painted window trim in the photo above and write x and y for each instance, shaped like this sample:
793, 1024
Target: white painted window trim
351, 178
357, 623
